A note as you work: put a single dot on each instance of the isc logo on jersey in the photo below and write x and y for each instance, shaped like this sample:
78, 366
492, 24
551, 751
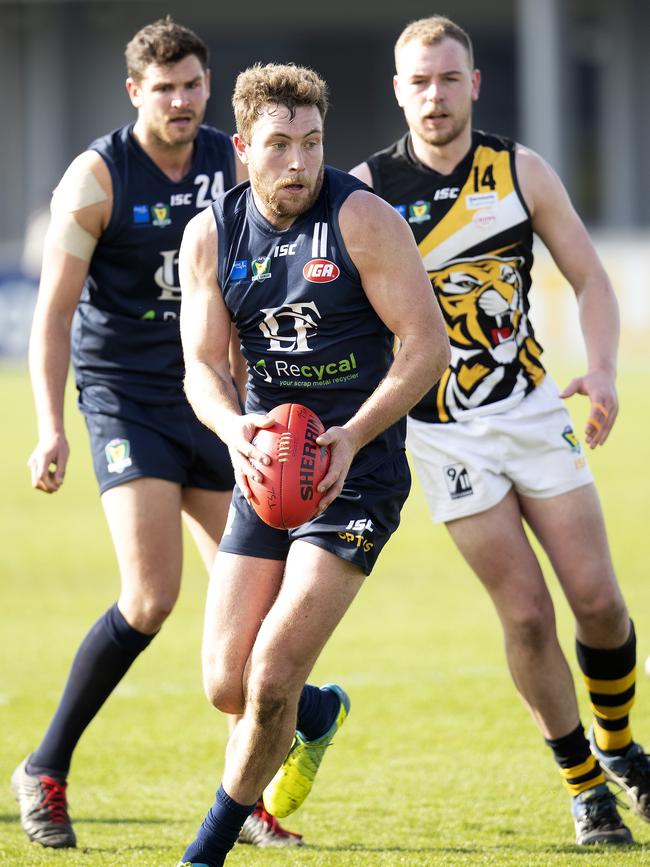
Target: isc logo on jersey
320, 271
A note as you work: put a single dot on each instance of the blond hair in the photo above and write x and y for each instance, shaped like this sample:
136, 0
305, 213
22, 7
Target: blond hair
277, 84
431, 31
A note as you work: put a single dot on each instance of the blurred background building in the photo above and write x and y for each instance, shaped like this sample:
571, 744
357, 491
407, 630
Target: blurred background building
569, 78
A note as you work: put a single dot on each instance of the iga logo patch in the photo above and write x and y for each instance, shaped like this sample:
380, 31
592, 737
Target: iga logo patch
320, 271
118, 455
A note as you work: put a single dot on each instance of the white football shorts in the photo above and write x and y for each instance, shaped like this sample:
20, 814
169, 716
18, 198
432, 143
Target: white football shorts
466, 467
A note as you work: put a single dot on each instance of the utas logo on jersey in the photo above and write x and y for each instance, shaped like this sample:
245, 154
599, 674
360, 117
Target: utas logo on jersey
320, 271
160, 215
261, 267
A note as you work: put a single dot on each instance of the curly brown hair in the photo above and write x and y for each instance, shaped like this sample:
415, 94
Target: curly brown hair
276, 84
163, 42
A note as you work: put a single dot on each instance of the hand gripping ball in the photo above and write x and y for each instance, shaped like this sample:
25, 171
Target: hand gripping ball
287, 496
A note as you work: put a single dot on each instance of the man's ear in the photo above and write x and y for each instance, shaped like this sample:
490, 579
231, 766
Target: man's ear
476, 84
135, 92
240, 148
396, 90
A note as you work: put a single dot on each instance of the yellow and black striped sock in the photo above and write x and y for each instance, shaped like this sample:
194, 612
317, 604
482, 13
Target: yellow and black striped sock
610, 676
578, 767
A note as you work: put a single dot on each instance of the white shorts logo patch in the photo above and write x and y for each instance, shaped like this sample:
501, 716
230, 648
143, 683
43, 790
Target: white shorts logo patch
458, 482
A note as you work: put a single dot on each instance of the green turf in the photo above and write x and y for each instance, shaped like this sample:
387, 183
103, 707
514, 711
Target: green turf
438, 763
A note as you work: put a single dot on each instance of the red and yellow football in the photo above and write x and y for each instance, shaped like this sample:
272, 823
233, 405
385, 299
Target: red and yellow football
287, 496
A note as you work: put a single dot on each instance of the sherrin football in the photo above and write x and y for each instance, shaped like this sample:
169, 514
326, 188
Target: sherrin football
287, 496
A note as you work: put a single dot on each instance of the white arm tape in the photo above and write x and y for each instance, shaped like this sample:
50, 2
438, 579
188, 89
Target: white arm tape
66, 234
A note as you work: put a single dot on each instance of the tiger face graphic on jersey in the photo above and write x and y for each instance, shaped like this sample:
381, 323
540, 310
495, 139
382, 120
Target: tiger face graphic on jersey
482, 300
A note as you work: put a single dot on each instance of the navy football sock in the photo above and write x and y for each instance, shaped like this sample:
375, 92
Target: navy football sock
317, 710
103, 658
219, 831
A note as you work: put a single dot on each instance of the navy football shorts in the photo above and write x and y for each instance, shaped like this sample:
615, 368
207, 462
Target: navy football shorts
130, 440
355, 527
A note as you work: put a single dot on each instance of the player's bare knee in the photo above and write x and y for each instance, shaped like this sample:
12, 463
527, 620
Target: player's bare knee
147, 613
269, 706
222, 688
269, 695
224, 698
531, 628
603, 612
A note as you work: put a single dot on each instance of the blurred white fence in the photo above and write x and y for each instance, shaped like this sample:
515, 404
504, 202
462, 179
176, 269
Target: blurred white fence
554, 309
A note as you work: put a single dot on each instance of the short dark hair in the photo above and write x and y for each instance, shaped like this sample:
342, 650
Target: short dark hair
431, 31
278, 84
163, 42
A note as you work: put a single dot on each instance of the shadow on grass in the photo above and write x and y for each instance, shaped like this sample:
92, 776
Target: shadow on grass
9, 819
506, 848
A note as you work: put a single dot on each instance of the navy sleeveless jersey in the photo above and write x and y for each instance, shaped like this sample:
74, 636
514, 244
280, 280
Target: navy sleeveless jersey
307, 330
126, 328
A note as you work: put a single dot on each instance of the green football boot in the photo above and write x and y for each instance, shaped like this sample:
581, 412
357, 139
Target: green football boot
292, 783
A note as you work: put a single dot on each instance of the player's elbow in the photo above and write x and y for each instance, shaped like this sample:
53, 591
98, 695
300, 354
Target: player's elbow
191, 386
439, 357
428, 355
442, 356
187, 387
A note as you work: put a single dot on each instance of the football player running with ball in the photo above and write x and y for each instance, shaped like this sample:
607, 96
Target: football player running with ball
492, 443
110, 278
276, 596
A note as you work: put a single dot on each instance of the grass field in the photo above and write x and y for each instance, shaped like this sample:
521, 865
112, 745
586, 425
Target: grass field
438, 764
